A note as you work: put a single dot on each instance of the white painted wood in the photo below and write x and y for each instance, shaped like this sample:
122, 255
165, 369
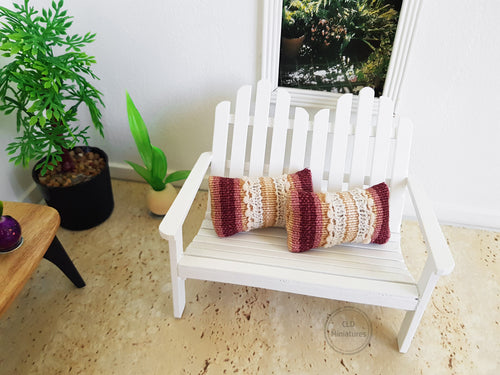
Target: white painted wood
390, 250
299, 140
270, 243
177, 213
395, 63
219, 143
280, 126
240, 130
335, 263
360, 273
437, 246
311, 283
400, 173
382, 145
361, 138
271, 32
272, 240
260, 126
318, 147
178, 283
342, 127
426, 285
403, 40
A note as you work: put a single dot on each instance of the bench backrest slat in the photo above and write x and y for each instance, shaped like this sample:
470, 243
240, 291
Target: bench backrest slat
343, 148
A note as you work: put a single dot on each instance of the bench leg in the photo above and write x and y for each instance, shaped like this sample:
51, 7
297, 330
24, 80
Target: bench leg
178, 295
426, 284
409, 328
58, 256
175, 250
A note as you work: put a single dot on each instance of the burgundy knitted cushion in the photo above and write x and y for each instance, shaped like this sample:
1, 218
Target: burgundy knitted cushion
243, 204
327, 219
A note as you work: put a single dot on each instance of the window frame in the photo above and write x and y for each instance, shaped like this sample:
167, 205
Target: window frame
271, 38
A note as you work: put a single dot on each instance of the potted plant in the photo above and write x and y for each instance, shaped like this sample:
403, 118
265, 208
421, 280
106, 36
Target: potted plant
296, 16
161, 193
45, 82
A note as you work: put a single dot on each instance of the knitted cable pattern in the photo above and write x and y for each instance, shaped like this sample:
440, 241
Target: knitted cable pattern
328, 219
243, 204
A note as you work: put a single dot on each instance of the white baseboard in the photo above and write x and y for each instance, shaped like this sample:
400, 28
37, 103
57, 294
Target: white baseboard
461, 217
31, 195
123, 171
470, 218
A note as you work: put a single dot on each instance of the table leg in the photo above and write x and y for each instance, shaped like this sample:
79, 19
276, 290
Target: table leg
58, 256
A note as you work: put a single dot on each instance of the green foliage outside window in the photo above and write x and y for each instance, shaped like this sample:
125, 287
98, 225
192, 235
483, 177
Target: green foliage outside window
347, 43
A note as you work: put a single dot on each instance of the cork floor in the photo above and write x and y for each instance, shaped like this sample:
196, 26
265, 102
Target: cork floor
122, 323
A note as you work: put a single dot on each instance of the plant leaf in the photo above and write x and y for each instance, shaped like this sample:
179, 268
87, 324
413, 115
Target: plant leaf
159, 164
140, 133
143, 172
177, 176
33, 120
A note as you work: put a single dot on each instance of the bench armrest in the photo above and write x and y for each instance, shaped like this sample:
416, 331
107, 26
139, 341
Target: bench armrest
437, 247
173, 220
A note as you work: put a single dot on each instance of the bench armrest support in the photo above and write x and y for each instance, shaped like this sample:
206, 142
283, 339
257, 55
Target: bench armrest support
437, 247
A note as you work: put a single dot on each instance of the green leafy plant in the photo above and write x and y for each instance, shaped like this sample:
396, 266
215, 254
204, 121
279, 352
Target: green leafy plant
155, 161
347, 44
295, 18
373, 72
45, 83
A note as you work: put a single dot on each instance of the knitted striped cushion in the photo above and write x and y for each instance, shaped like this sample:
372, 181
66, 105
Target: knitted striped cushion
327, 219
243, 204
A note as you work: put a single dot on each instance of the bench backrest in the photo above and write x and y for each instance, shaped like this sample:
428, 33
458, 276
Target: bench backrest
342, 148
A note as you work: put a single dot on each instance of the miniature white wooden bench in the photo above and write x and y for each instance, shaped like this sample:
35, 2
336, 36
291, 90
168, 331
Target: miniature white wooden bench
349, 150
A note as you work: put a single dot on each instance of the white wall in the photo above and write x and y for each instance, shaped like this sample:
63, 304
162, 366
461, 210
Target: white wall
451, 92
179, 58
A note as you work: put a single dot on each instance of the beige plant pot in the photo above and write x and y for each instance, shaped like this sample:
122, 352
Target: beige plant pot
159, 202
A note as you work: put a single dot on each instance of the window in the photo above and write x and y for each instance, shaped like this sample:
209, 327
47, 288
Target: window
319, 49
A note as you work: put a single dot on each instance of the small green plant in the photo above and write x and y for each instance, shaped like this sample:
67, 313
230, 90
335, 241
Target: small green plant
155, 161
45, 82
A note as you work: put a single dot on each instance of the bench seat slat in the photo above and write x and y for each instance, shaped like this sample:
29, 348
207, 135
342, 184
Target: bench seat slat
268, 246
280, 235
264, 240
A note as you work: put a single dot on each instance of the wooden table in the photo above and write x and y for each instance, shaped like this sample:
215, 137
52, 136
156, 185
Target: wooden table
39, 225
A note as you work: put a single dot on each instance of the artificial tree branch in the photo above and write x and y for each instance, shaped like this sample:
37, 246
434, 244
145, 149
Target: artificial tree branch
52, 86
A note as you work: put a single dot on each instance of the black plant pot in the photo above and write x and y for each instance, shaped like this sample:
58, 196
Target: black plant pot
84, 205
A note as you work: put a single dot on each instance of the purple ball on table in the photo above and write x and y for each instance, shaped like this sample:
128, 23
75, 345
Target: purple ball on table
10, 233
